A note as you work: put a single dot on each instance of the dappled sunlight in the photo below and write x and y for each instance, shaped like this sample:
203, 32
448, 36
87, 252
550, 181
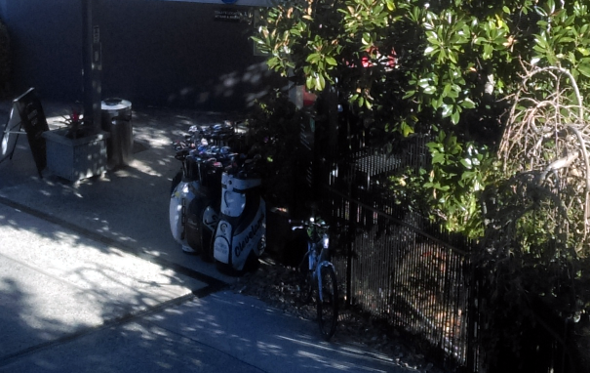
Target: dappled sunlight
92, 268
256, 73
147, 168
127, 206
264, 337
29, 311
89, 204
221, 332
57, 121
68, 285
229, 91
312, 356
271, 348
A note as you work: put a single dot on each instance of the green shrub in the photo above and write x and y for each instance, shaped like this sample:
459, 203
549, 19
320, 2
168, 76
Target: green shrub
273, 132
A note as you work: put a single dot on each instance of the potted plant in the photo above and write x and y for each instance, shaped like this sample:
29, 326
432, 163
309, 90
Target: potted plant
75, 125
76, 151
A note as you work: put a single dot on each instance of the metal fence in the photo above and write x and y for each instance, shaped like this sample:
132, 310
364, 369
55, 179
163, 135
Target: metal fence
392, 262
398, 268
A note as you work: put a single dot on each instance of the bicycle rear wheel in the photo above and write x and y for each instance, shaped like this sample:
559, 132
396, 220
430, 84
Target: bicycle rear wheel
305, 281
327, 302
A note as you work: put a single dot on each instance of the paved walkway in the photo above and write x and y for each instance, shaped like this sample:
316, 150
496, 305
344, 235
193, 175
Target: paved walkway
92, 281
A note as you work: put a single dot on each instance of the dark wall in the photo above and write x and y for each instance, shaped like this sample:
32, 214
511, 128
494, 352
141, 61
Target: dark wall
160, 53
46, 45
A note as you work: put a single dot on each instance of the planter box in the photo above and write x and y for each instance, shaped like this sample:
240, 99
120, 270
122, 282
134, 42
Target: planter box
76, 159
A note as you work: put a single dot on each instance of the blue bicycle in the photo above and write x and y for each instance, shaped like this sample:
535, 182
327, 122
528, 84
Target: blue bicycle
319, 274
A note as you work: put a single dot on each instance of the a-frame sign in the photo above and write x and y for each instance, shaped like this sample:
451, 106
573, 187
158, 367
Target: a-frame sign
26, 117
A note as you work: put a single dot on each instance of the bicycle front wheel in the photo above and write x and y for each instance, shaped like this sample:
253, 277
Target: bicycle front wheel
327, 301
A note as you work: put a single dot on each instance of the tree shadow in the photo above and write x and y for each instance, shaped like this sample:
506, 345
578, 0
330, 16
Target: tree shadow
70, 286
76, 276
129, 204
222, 332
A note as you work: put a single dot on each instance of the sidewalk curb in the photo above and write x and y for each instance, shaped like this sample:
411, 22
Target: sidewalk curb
211, 282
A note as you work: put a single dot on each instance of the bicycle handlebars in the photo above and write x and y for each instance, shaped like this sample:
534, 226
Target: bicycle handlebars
301, 224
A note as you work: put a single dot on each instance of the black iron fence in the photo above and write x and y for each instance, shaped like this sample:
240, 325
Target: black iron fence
399, 268
392, 262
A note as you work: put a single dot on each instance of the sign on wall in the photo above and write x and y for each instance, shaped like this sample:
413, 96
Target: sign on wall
228, 15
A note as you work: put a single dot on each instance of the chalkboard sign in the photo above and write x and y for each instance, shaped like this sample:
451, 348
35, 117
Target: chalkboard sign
27, 113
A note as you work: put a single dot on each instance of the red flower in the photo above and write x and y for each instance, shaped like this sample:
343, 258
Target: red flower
75, 116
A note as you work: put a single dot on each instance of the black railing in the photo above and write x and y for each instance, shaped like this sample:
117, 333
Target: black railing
395, 264
392, 263
397, 271
399, 267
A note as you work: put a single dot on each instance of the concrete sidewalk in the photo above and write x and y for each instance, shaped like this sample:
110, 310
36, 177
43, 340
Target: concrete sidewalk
72, 304
55, 283
129, 205
91, 279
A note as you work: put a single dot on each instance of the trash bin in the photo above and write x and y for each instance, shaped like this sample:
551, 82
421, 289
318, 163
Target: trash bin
116, 119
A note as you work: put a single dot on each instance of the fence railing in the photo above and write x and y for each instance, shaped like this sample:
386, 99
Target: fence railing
397, 266
395, 270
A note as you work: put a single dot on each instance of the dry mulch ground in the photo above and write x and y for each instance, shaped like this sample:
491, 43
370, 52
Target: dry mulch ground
278, 286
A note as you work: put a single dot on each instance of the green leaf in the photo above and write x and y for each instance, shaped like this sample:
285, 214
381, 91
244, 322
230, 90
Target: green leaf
438, 158
320, 82
448, 88
423, 83
433, 145
309, 81
584, 67
429, 90
479, 40
409, 94
487, 51
467, 103
406, 129
466, 162
331, 61
390, 5
313, 58
456, 116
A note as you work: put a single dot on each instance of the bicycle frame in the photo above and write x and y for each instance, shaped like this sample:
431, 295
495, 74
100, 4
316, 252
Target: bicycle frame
320, 269
315, 261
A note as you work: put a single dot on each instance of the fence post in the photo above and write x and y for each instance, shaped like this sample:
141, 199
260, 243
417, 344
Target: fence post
353, 218
473, 317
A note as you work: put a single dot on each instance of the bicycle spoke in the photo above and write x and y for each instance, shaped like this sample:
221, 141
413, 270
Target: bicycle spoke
327, 306
305, 285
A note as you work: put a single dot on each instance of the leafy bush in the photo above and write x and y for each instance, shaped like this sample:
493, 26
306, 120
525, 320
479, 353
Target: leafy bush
456, 73
274, 127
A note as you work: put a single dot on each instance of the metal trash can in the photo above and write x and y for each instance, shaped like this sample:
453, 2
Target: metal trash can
116, 119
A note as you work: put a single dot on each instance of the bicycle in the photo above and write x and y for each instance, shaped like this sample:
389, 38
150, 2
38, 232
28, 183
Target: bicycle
319, 274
